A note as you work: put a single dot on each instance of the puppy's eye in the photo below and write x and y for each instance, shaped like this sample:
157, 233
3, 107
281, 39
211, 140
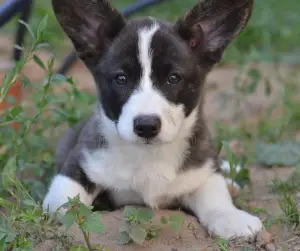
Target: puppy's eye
121, 79
174, 79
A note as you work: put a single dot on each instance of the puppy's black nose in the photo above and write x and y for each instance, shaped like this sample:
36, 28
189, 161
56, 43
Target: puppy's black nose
147, 126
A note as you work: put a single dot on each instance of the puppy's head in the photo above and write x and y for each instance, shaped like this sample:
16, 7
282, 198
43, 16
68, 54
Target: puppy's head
149, 73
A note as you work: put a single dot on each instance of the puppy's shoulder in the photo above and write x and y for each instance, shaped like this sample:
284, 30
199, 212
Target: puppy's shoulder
85, 134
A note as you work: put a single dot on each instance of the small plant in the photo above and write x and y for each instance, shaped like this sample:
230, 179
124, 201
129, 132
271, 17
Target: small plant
241, 174
139, 226
26, 224
289, 206
221, 244
88, 221
287, 203
291, 185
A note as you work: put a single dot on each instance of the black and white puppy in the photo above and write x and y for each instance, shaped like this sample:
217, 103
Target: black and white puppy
147, 141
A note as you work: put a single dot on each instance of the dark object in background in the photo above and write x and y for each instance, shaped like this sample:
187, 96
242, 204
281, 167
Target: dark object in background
11, 8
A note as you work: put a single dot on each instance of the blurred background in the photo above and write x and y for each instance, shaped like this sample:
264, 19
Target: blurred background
272, 31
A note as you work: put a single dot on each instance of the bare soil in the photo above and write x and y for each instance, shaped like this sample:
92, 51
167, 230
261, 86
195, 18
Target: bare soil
193, 237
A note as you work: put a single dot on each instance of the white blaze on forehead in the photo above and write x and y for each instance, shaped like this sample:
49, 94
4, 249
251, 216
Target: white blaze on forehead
145, 36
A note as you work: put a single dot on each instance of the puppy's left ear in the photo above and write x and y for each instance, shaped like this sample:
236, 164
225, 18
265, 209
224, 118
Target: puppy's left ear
91, 25
212, 25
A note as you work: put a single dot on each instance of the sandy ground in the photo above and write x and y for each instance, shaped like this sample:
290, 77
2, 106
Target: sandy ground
193, 237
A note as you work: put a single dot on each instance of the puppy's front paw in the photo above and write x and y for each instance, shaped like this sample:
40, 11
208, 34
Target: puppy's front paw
53, 206
234, 224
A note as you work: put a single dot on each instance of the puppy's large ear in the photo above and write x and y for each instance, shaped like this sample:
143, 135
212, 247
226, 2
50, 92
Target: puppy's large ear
211, 25
90, 24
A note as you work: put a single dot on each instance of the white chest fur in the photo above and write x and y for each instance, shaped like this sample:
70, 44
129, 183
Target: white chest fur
152, 172
133, 167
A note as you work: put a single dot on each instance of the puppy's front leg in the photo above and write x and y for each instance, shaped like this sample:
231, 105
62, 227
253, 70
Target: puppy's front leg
70, 181
213, 206
64, 187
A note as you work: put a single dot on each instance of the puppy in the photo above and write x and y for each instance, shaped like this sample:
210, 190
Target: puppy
147, 142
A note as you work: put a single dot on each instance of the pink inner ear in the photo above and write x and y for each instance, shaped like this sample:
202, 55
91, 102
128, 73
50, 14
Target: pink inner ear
197, 36
194, 43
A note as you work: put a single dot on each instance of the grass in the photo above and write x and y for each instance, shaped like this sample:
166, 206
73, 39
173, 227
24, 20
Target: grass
27, 155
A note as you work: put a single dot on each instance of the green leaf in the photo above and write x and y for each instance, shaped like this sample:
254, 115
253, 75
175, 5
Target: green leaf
281, 154
79, 248
25, 81
39, 62
144, 214
2, 242
138, 235
16, 111
7, 83
71, 202
29, 29
242, 177
124, 238
272, 221
69, 219
129, 211
11, 236
93, 223
83, 210
163, 220
51, 63
2, 235
222, 244
6, 203
9, 172
42, 26
176, 221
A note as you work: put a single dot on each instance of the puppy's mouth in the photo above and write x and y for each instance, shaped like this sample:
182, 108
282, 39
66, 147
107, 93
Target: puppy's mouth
149, 141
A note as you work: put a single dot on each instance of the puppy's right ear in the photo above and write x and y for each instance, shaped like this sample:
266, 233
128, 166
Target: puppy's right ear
90, 24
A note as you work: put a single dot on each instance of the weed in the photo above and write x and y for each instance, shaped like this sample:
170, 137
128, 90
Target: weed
221, 244
289, 206
139, 226
287, 203
241, 174
87, 221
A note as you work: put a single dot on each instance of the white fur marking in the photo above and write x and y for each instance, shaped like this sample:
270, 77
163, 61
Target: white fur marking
62, 188
145, 36
213, 205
